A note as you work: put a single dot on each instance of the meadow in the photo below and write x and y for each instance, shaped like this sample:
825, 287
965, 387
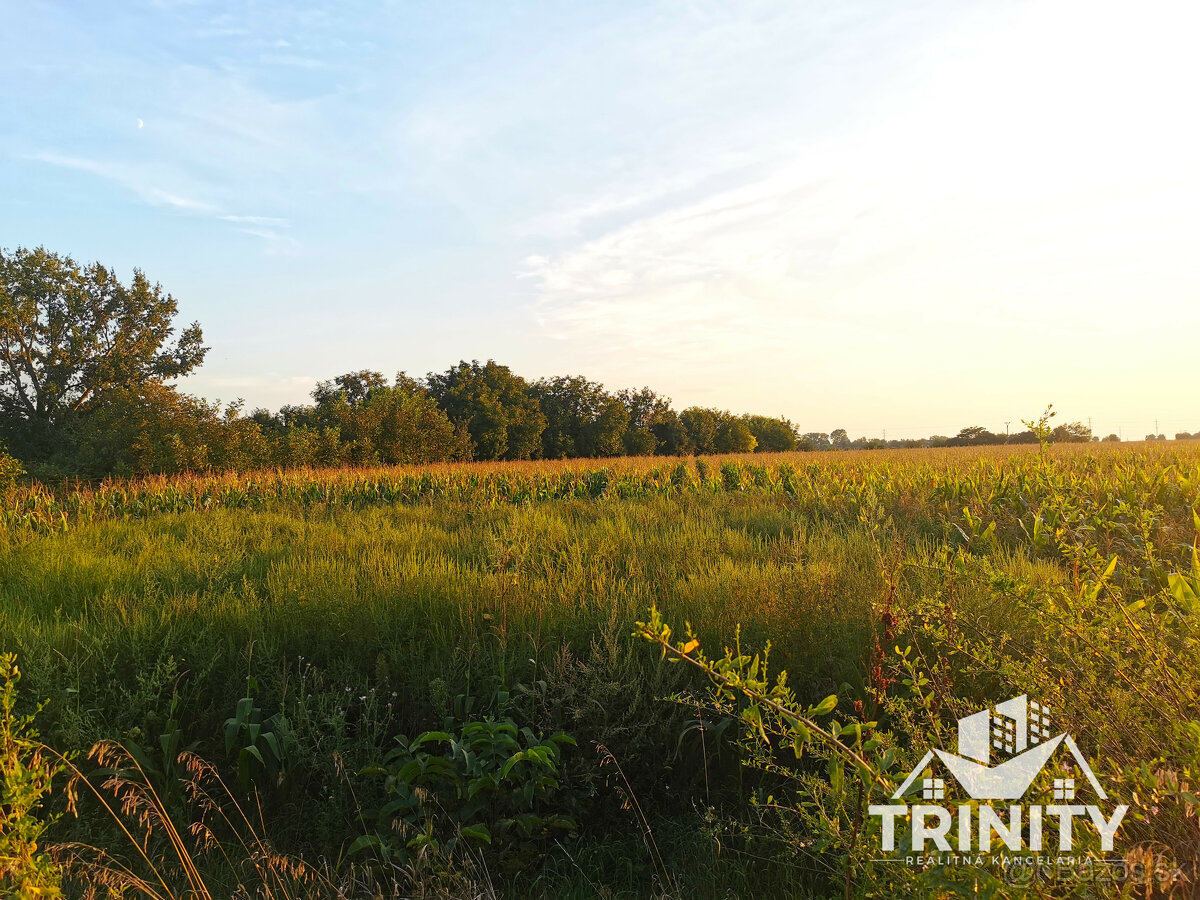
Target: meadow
431, 681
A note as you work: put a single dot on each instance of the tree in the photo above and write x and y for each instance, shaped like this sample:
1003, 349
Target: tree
398, 424
649, 414
839, 439
700, 425
772, 435
733, 435
716, 431
582, 419
670, 434
156, 429
1113, 438
353, 387
974, 435
11, 470
495, 406
1073, 433
866, 443
70, 335
817, 440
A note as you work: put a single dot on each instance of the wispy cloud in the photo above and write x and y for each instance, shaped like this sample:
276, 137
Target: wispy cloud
734, 198
1002, 225
274, 242
265, 228
256, 220
127, 177
294, 60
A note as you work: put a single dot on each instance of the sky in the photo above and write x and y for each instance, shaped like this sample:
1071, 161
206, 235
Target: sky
902, 218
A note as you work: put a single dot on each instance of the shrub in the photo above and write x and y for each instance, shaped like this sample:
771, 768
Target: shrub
27, 771
484, 782
11, 470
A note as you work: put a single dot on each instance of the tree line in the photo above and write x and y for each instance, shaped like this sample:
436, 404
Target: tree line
87, 365
87, 361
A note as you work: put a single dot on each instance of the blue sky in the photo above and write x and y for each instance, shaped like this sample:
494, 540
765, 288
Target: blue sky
910, 217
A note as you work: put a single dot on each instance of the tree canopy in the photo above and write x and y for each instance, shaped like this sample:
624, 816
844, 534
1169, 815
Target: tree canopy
497, 408
69, 334
76, 341
582, 419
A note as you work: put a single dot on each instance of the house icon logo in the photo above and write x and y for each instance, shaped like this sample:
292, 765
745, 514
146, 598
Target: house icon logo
1017, 731
1001, 752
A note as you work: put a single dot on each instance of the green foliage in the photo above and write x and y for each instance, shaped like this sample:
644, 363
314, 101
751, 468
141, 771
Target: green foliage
11, 470
390, 424
27, 771
716, 431
482, 782
71, 335
988, 568
496, 407
701, 427
649, 418
153, 429
772, 435
582, 419
1071, 433
827, 802
161, 764
1041, 427
734, 436
262, 746
1053, 581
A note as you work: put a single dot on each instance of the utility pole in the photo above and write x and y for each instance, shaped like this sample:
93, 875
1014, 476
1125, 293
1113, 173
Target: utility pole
1006, 424
1156, 427
885, 435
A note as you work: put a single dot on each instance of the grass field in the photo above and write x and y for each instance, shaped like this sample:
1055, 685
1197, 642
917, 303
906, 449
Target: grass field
353, 606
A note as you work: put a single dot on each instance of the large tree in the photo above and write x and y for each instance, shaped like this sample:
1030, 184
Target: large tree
716, 431
649, 413
701, 426
582, 419
496, 407
70, 334
772, 435
393, 424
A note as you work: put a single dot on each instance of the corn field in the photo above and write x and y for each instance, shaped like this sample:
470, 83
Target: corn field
353, 607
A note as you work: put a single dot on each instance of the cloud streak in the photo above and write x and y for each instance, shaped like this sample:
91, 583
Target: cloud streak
907, 231
127, 178
266, 228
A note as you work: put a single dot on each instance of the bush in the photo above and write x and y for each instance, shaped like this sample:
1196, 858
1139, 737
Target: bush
27, 770
11, 470
480, 782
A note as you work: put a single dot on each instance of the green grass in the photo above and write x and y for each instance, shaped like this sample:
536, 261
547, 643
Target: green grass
427, 591
364, 603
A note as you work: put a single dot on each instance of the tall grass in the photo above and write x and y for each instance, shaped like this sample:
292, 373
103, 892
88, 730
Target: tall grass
365, 603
